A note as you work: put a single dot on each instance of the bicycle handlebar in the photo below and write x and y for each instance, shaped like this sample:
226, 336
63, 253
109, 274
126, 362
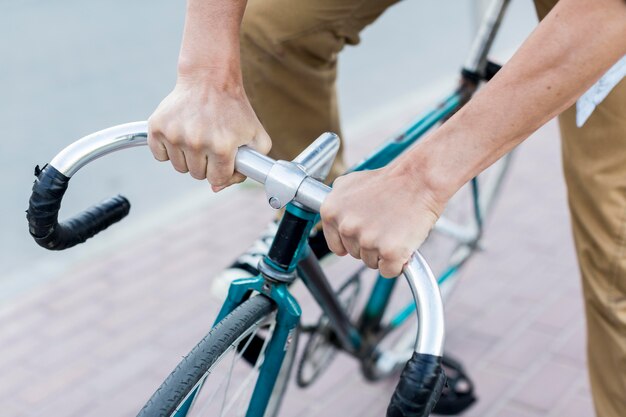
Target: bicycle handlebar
43, 211
52, 182
421, 381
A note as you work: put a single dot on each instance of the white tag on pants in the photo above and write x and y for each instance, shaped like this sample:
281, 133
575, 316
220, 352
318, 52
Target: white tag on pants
587, 103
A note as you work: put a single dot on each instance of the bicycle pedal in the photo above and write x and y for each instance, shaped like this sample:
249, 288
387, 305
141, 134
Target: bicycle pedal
458, 393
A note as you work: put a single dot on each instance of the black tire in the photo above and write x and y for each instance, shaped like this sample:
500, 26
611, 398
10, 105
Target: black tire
208, 352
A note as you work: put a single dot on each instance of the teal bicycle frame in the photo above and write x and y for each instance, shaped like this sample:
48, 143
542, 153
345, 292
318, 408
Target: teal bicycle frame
290, 254
293, 253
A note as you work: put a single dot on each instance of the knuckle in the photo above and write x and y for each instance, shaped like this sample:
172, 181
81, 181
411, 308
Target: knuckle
154, 124
367, 242
389, 253
173, 138
195, 144
327, 211
405, 253
154, 139
220, 149
348, 229
338, 182
265, 144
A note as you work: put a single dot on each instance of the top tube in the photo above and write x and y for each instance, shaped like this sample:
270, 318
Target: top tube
390, 150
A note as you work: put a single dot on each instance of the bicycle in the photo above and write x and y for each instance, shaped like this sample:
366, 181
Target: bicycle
258, 326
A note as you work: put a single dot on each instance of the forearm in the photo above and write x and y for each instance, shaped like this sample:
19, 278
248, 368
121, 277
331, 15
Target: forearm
574, 45
204, 120
210, 46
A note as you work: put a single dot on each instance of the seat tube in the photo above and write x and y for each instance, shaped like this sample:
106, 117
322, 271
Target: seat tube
487, 31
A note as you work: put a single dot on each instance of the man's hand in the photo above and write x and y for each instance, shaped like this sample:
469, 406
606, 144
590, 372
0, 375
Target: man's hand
200, 125
199, 128
380, 217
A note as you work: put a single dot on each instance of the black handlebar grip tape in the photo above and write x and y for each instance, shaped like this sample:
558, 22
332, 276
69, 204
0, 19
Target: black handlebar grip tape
419, 388
43, 212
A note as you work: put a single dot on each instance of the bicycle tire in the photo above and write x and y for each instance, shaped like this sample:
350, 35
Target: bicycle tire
200, 362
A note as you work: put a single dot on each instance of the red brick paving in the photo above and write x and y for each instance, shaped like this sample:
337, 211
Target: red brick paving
98, 341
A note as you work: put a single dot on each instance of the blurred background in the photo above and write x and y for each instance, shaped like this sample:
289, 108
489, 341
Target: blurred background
73, 67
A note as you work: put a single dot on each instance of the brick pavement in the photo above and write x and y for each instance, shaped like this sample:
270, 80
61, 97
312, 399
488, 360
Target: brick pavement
99, 340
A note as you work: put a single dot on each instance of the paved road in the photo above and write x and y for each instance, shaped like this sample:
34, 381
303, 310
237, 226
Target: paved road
98, 341
72, 67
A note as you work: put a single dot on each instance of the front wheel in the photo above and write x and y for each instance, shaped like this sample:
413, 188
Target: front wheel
218, 376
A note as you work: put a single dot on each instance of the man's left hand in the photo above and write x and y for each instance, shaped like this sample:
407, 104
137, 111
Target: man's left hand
379, 216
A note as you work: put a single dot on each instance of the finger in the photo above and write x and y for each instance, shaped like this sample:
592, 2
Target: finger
390, 268
352, 246
261, 143
220, 168
197, 164
177, 157
333, 240
236, 179
370, 258
158, 150
349, 232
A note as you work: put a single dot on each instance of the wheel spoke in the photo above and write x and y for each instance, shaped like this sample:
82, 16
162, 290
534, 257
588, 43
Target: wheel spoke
226, 379
230, 374
257, 365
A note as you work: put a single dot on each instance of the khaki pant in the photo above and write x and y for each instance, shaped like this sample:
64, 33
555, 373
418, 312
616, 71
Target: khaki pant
289, 59
594, 161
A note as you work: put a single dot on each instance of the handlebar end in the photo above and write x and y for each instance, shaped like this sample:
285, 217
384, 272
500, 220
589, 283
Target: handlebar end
44, 206
419, 388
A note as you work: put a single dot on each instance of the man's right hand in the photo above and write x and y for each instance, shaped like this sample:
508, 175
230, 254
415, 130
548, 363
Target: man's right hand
199, 127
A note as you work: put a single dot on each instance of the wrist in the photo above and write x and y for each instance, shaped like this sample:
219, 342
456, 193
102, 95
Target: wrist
209, 53
224, 76
422, 171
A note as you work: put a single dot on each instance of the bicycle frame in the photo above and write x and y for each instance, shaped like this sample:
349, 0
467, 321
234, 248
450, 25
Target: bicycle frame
289, 255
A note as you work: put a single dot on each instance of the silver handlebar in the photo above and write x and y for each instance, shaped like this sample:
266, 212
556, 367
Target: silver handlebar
284, 182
